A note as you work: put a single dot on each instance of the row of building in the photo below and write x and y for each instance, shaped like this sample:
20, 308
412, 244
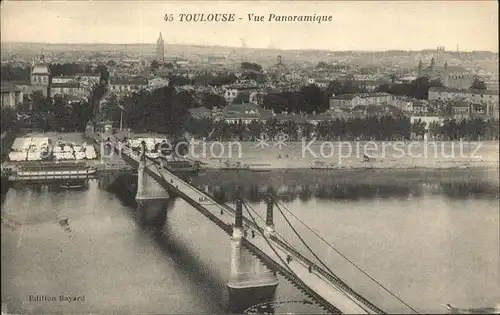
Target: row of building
442, 103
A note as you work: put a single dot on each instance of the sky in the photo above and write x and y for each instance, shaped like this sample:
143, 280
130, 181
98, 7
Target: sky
355, 25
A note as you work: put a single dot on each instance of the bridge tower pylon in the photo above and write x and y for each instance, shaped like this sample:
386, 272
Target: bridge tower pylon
151, 197
250, 282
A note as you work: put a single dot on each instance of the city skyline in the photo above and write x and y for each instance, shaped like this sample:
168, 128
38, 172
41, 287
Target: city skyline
356, 26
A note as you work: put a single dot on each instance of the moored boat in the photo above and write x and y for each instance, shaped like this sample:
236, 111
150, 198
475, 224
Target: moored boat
73, 185
479, 310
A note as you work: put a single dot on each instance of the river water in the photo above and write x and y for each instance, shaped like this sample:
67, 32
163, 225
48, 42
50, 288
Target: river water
430, 244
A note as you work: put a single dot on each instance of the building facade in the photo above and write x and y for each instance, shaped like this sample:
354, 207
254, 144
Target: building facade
71, 88
353, 100
450, 76
122, 85
11, 96
475, 96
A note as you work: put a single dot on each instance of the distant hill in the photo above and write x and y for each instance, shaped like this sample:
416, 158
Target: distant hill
146, 48
265, 56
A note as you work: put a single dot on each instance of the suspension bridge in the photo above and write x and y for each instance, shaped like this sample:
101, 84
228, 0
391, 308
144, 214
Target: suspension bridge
280, 242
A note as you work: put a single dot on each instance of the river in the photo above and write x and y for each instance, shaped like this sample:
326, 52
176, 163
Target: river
430, 244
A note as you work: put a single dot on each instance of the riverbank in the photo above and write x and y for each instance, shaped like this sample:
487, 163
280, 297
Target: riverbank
301, 176
347, 155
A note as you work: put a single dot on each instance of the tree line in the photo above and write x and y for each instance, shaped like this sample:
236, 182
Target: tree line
309, 98
55, 113
385, 128
203, 79
15, 73
418, 88
162, 110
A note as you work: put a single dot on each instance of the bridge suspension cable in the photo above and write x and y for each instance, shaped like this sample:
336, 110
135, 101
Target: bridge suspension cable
343, 255
269, 243
303, 241
338, 280
276, 232
283, 239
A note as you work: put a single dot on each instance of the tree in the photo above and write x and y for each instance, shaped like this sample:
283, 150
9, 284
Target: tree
10, 73
418, 128
154, 65
162, 110
478, 84
251, 66
199, 127
177, 80
103, 71
210, 100
323, 65
314, 99
241, 98
8, 118
393, 78
66, 69
188, 99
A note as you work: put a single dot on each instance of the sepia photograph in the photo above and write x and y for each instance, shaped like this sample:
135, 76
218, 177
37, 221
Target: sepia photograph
250, 157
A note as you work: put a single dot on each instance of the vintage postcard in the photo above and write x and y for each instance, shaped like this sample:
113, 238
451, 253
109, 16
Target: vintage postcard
256, 157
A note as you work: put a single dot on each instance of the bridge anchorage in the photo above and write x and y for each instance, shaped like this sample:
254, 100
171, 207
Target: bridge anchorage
152, 198
250, 281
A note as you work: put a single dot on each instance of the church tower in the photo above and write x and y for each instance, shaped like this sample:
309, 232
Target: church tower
420, 67
160, 50
433, 63
40, 73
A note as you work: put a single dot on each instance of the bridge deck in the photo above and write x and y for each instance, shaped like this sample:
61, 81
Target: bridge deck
297, 268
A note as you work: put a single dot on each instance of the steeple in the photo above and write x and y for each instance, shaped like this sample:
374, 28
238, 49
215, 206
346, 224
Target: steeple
420, 66
160, 49
433, 63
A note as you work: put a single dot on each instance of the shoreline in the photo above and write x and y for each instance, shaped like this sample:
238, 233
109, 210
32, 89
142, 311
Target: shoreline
491, 167
380, 176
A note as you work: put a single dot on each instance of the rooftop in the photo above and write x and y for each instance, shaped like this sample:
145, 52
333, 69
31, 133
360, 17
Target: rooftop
467, 91
129, 81
7, 88
65, 85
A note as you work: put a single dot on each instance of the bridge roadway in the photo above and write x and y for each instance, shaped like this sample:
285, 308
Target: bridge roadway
317, 282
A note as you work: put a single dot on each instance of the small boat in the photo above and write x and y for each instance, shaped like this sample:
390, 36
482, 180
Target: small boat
72, 185
481, 310
260, 169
